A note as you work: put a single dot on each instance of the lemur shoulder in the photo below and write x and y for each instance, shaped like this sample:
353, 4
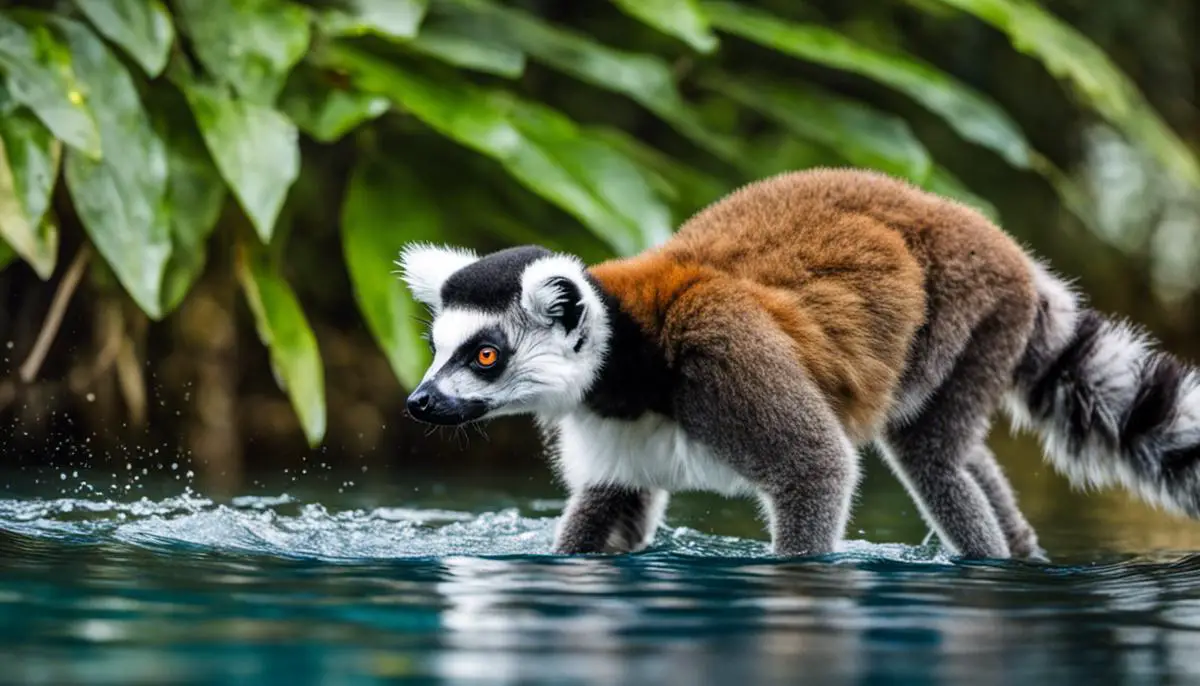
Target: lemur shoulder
780, 329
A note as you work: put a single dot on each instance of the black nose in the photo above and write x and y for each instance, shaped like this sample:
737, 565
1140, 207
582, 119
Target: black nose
431, 406
418, 402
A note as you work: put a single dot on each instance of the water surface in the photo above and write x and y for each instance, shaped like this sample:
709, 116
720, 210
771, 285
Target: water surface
104, 583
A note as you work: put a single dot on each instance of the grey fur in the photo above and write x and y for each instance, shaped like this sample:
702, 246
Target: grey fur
1022, 539
754, 407
609, 519
931, 451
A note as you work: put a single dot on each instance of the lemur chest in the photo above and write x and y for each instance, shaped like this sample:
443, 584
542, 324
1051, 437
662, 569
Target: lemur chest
652, 451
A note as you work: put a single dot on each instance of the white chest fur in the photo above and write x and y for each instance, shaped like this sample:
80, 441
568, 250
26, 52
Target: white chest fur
650, 452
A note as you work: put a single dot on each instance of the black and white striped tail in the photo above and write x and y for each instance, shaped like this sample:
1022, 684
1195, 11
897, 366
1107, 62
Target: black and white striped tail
1110, 409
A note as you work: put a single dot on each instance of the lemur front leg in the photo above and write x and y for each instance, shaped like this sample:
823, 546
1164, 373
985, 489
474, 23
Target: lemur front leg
742, 392
609, 519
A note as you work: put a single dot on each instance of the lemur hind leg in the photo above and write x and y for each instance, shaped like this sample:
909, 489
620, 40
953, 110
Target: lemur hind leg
609, 519
743, 394
932, 453
1022, 539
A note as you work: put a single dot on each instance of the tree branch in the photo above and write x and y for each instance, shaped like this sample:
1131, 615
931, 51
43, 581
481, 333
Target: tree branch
58, 309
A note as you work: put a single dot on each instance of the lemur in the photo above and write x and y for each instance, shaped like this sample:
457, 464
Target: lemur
779, 330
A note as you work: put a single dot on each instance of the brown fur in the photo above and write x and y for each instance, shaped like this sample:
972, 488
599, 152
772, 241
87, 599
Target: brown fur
851, 265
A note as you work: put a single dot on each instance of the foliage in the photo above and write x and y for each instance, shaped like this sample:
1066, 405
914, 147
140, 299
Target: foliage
155, 115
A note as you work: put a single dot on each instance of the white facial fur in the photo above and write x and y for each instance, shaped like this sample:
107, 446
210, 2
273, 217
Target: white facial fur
425, 267
543, 373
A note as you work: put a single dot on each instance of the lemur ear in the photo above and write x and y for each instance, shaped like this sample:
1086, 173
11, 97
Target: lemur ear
552, 294
557, 300
425, 268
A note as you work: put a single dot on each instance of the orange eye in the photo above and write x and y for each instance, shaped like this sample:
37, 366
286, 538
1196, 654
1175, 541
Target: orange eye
487, 356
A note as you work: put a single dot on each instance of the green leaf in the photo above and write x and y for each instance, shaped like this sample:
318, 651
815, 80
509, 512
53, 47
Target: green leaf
141, 27
1070, 56
327, 111
386, 207
972, 115
942, 182
680, 18
645, 79
596, 168
39, 74
863, 136
249, 44
542, 149
283, 328
195, 196
29, 159
120, 198
689, 188
778, 152
387, 18
468, 40
257, 150
7, 255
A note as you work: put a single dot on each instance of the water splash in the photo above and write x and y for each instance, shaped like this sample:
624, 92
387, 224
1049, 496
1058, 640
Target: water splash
281, 526
281, 589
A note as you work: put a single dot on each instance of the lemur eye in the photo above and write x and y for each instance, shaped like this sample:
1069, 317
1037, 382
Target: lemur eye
487, 356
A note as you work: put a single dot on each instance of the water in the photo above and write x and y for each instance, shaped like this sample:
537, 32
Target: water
163, 585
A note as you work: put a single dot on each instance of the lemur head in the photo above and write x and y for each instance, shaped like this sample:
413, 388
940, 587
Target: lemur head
522, 330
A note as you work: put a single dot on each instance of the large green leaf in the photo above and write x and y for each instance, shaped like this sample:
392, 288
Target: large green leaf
386, 207
680, 18
942, 182
29, 159
120, 198
7, 255
1069, 55
972, 115
325, 110
257, 150
141, 27
195, 195
602, 171
387, 18
283, 328
38, 73
249, 44
645, 79
542, 149
689, 189
863, 136
468, 40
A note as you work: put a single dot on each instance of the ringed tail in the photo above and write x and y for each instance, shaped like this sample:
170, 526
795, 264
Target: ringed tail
1110, 409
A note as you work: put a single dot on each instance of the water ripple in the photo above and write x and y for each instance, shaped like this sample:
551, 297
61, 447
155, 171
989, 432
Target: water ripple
281, 526
255, 589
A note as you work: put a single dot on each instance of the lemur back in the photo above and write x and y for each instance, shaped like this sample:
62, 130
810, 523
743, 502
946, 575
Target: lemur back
780, 328
852, 266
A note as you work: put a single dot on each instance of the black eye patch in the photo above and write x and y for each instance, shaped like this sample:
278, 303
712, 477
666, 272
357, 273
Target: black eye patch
465, 355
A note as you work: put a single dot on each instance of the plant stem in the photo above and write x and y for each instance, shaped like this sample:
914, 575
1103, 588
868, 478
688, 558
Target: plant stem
58, 309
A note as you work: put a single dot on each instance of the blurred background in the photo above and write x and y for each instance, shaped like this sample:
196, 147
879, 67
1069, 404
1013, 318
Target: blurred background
201, 200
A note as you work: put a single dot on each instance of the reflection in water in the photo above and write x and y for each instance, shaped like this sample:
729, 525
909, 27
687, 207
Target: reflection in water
275, 590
